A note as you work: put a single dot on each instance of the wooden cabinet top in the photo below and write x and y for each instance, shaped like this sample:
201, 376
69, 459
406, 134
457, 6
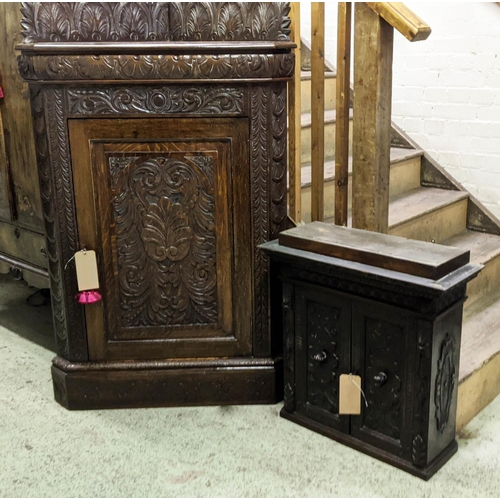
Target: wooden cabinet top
418, 258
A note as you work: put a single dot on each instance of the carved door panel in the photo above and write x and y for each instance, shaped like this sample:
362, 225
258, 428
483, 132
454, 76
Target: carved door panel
383, 339
166, 205
22, 240
323, 353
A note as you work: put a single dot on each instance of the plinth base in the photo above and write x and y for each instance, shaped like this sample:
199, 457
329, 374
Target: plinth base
138, 384
425, 472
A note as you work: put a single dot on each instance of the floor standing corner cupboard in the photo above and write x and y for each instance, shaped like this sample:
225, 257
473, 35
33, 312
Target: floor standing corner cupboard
160, 134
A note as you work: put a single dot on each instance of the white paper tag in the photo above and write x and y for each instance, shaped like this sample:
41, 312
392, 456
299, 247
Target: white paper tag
349, 394
86, 270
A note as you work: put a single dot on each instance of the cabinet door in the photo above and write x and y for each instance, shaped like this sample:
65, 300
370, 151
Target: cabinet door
383, 339
165, 203
323, 324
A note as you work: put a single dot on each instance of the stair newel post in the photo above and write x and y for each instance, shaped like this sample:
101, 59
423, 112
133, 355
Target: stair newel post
294, 113
373, 52
342, 112
317, 110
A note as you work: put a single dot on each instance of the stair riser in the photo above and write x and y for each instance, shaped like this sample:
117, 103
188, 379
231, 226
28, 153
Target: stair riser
404, 176
436, 226
330, 94
305, 155
478, 391
488, 282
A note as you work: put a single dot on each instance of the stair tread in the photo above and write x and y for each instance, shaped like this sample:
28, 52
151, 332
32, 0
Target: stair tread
483, 246
306, 75
330, 117
397, 155
420, 201
480, 339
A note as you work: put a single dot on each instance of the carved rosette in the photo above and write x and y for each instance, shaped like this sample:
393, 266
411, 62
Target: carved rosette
445, 382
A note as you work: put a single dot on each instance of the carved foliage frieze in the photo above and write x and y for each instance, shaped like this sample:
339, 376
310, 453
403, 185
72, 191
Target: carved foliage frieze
155, 100
155, 66
164, 214
154, 21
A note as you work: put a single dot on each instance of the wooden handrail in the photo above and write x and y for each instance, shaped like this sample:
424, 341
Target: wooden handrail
317, 110
374, 24
342, 112
403, 19
294, 115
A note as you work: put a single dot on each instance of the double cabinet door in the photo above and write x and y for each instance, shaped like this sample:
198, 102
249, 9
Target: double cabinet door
339, 334
165, 203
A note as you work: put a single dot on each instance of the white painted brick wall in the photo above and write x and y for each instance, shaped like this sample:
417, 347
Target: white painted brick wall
446, 92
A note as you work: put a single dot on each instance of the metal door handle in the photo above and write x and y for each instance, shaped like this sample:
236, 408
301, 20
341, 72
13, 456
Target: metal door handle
320, 357
380, 378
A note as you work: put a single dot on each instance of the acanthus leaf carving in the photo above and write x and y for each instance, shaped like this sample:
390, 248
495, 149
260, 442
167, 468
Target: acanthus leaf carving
152, 21
165, 241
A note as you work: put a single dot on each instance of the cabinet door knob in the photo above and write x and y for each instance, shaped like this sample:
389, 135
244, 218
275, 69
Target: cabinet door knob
320, 357
380, 378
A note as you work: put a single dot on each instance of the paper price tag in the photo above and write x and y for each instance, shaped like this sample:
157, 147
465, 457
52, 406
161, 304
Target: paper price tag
349, 394
86, 270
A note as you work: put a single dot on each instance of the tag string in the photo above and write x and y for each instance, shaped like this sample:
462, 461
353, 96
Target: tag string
361, 390
84, 250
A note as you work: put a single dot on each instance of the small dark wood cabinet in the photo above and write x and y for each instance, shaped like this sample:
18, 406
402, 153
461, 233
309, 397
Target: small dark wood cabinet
161, 144
398, 331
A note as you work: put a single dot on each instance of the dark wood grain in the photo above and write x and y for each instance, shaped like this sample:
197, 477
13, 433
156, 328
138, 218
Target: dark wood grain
389, 252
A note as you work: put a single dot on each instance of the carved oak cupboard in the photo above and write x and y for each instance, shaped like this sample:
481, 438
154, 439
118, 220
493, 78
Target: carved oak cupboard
161, 139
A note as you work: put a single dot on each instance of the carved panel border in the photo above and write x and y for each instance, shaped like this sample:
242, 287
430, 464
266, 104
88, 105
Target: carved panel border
421, 394
154, 21
155, 67
214, 100
259, 165
58, 206
278, 162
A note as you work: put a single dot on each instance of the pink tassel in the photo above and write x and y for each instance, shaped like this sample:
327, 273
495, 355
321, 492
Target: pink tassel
88, 297
1, 93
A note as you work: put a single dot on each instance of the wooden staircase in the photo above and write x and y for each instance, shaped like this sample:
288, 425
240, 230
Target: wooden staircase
427, 204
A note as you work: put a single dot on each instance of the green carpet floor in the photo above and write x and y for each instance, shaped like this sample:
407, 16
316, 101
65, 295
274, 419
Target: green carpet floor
47, 451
